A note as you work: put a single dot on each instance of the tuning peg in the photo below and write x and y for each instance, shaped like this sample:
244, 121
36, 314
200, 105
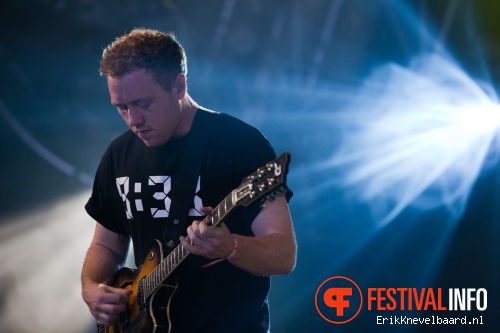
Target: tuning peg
261, 172
280, 190
271, 197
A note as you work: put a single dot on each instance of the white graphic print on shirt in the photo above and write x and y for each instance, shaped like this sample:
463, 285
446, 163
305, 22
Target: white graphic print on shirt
162, 196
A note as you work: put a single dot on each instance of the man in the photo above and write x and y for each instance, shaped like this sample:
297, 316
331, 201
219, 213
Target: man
131, 198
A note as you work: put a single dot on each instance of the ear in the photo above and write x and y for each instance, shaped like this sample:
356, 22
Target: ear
180, 85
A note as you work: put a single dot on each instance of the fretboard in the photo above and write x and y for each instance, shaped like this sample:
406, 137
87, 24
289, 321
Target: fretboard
151, 282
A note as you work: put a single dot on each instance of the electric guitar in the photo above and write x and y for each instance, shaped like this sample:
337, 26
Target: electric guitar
148, 307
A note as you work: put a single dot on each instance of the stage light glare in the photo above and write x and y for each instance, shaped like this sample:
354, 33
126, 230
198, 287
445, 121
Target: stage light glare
417, 135
477, 119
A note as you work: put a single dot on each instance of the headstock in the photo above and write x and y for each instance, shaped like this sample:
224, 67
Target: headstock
266, 180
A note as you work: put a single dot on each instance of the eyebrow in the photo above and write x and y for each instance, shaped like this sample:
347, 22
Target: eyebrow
135, 101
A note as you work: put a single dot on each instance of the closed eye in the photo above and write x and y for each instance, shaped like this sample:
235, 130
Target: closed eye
122, 108
143, 104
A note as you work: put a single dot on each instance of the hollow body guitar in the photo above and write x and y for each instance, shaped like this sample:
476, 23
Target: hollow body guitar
148, 307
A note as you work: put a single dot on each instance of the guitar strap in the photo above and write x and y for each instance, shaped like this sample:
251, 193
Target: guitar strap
184, 187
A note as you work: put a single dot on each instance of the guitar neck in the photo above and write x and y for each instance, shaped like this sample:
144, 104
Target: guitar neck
268, 178
151, 282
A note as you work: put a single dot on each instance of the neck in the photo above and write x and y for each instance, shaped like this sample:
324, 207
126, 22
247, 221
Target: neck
188, 104
188, 108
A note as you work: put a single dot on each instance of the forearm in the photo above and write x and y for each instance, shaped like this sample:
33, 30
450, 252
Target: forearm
107, 254
100, 266
267, 255
271, 252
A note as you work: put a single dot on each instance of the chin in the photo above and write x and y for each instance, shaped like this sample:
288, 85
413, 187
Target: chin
153, 143
149, 143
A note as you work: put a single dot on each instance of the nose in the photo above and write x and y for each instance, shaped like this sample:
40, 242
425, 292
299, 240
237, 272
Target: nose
135, 118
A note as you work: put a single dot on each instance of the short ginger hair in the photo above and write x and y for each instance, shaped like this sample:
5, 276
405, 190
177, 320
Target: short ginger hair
157, 52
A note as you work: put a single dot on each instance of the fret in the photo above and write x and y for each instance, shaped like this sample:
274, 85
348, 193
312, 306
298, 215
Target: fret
143, 291
153, 279
234, 197
151, 285
163, 271
223, 208
145, 286
175, 258
216, 218
179, 255
166, 265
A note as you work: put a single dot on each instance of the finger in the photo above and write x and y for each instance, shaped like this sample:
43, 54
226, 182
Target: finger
192, 236
114, 295
117, 298
108, 313
195, 224
206, 210
186, 245
203, 228
113, 290
106, 319
210, 232
193, 229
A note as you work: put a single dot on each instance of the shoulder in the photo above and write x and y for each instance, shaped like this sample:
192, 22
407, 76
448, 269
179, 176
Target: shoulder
231, 130
238, 145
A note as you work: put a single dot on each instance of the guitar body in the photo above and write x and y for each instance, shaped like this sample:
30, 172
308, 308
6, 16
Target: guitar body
148, 307
152, 315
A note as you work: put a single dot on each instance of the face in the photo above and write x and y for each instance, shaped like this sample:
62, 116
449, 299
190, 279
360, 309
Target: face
151, 112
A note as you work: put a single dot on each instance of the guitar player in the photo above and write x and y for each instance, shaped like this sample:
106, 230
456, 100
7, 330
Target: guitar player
223, 285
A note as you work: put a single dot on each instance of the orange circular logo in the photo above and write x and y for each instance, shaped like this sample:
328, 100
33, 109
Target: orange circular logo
338, 300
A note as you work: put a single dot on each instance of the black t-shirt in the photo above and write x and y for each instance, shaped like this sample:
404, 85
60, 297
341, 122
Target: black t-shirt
132, 196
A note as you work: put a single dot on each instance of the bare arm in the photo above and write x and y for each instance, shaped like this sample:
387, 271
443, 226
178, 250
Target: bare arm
271, 252
107, 253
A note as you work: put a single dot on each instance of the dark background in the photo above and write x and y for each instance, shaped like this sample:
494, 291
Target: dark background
286, 67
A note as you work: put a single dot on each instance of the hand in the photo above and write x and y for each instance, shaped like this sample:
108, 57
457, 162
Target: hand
105, 302
208, 241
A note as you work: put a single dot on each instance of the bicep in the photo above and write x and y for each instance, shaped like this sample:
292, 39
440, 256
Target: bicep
117, 244
274, 218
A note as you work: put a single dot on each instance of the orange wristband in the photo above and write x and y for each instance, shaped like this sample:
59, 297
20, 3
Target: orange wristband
228, 257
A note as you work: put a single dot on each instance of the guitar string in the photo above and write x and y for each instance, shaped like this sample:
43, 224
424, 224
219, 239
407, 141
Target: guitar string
175, 258
180, 253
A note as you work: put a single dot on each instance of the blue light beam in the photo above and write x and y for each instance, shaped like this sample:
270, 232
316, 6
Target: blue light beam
417, 135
